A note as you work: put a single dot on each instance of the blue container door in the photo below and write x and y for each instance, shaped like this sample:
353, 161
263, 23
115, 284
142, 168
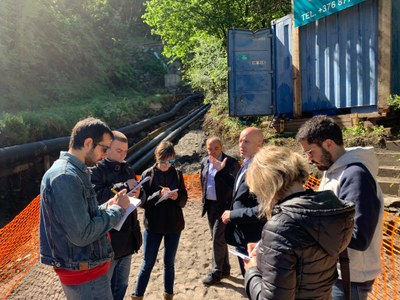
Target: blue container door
250, 72
339, 60
282, 54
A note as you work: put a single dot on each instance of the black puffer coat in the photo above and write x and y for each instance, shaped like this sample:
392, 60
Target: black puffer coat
300, 247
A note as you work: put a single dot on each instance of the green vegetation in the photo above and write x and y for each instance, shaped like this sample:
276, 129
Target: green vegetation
394, 101
117, 111
55, 51
360, 135
63, 60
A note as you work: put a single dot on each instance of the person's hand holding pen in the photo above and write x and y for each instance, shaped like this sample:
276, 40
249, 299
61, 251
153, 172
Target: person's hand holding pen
165, 190
252, 249
120, 198
132, 183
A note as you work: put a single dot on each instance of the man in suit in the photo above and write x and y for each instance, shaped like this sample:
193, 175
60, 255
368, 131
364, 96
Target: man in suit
244, 225
217, 174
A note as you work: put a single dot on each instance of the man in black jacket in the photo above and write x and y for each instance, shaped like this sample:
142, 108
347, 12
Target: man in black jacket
243, 223
217, 174
113, 174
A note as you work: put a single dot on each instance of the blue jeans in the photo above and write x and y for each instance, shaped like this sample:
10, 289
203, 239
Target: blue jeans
118, 274
359, 291
98, 289
151, 244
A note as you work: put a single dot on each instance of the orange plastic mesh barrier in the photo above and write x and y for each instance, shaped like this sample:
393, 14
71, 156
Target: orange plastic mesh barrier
19, 242
19, 251
312, 183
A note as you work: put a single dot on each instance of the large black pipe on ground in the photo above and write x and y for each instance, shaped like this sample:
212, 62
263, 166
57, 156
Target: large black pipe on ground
168, 135
13, 156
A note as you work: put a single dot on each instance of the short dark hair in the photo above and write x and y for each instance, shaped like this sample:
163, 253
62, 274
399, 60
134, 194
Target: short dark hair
318, 129
88, 128
164, 150
119, 136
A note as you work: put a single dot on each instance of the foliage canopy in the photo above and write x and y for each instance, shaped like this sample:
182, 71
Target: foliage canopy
57, 50
180, 23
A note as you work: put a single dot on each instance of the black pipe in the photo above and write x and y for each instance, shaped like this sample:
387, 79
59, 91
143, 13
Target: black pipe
19, 154
171, 136
158, 138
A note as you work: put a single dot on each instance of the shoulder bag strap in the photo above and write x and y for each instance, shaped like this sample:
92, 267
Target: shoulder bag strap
345, 270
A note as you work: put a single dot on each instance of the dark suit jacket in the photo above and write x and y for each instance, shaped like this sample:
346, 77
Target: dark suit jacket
245, 226
224, 180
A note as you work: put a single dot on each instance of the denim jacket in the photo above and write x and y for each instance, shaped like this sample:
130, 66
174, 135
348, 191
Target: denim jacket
73, 228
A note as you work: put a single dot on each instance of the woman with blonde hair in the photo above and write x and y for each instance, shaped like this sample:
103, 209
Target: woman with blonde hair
304, 235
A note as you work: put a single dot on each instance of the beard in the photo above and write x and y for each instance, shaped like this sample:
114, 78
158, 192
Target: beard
326, 161
90, 159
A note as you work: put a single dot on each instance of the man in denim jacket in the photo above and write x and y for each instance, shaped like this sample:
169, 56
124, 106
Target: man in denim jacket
73, 228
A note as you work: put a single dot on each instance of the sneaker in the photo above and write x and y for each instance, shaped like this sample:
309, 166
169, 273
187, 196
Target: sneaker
211, 279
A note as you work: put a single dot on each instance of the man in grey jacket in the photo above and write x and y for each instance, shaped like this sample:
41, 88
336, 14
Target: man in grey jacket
350, 174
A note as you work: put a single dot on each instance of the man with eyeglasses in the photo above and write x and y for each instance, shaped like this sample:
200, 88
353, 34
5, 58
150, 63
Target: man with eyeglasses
217, 175
73, 228
350, 174
112, 174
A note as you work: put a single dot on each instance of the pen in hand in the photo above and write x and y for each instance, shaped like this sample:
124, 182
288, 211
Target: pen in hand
255, 249
114, 191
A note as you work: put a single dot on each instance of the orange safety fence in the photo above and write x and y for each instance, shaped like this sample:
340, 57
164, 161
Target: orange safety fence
19, 242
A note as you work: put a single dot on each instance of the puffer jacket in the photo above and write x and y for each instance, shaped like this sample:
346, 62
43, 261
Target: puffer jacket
300, 247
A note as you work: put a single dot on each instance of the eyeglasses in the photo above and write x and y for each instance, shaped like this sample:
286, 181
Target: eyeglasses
104, 148
164, 162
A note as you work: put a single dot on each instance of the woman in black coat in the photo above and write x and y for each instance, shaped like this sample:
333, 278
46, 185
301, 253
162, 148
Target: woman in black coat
304, 235
163, 218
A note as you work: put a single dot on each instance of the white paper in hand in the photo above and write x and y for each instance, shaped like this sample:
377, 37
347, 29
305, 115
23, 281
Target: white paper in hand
139, 184
241, 255
135, 202
165, 196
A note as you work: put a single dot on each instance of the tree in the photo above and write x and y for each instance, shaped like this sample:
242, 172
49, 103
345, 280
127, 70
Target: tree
180, 22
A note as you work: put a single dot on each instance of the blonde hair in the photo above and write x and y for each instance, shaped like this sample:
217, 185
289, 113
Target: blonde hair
272, 172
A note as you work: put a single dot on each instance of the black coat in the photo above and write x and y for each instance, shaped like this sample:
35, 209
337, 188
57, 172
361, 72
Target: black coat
244, 226
224, 180
300, 248
105, 176
167, 216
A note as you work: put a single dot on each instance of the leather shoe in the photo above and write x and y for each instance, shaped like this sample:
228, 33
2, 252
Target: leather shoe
226, 274
212, 279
